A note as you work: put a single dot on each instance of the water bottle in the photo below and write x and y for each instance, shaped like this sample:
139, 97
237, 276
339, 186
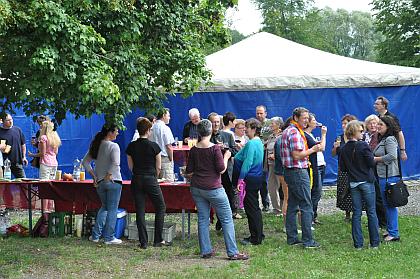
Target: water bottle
7, 169
4, 223
76, 170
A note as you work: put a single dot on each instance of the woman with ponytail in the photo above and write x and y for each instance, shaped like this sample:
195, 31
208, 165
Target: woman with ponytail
108, 181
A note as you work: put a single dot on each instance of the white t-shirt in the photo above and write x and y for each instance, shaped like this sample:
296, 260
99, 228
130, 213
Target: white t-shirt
162, 135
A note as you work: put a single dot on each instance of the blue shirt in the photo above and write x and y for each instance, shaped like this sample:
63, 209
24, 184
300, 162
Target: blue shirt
249, 160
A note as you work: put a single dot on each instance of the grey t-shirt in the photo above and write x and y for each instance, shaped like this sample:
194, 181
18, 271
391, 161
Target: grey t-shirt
108, 161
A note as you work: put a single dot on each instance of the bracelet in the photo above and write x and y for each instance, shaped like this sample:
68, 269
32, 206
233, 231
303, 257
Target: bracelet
402, 149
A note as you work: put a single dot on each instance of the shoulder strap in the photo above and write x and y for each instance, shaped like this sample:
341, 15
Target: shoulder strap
386, 166
399, 162
354, 152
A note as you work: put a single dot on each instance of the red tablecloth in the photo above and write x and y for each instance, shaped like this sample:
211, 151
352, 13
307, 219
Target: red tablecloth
81, 196
15, 194
181, 155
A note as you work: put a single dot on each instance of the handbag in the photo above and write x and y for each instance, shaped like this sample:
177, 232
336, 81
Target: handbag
396, 194
35, 162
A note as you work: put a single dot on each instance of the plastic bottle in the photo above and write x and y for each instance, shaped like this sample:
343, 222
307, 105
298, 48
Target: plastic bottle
76, 170
7, 169
4, 223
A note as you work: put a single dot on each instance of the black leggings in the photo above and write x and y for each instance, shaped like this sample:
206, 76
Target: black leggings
142, 185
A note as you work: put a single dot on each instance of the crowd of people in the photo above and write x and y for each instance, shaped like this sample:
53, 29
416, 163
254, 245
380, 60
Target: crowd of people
258, 164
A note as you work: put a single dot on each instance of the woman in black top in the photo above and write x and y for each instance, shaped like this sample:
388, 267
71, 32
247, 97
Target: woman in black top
357, 160
144, 161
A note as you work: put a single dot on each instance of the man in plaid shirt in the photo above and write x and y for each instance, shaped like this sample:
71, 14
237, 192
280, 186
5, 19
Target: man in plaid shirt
294, 154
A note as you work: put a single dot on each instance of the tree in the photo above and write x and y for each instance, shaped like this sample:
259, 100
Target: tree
399, 22
343, 33
339, 32
284, 17
233, 37
103, 56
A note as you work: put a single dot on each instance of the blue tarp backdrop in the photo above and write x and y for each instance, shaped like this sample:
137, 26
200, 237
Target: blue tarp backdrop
329, 105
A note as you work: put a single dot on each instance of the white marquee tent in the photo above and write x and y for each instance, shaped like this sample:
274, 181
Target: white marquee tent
266, 61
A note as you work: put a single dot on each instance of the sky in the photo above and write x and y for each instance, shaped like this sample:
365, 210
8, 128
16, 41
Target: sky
247, 19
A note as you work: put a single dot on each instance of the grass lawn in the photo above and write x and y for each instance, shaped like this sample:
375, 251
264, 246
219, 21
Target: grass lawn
78, 258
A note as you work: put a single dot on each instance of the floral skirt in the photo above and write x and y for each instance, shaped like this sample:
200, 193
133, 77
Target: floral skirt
343, 202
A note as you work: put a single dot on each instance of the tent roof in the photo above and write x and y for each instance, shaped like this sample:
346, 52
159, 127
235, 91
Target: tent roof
266, 61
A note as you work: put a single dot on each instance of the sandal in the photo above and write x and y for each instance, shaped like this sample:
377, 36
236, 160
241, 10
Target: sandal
162, 244
239, 256
237, 216
391, 238
209, 255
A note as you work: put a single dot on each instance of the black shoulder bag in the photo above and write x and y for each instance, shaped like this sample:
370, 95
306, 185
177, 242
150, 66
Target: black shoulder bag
396, 194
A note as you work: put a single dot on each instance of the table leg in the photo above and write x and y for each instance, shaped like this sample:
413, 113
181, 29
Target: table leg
189, 224
183, 224
30, 208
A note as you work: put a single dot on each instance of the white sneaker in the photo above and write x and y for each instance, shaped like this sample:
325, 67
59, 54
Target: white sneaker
114, 241
93, 240
312, 228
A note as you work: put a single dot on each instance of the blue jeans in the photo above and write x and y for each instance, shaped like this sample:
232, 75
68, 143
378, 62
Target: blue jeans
299, 198
216, 198
364, 192
109, 193
391, 212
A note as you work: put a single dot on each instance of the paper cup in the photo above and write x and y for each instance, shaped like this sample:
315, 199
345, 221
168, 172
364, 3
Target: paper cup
190, 143
7, 149
180, 143
3, 142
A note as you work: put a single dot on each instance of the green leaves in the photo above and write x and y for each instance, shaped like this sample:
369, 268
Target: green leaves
399, 22
341, 32
103, 56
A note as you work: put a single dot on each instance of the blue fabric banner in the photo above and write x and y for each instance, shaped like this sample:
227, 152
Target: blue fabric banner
329, 105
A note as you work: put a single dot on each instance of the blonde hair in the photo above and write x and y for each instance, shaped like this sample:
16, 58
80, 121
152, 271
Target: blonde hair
48, 129
352, 128
239, 122
371, 117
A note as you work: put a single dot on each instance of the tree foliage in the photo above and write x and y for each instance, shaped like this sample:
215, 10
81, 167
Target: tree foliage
103, 56
284, 18
233, 37
399, 22
340, 32
350, 34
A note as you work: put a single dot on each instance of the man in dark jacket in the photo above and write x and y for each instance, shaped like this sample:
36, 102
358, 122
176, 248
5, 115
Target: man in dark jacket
190, 128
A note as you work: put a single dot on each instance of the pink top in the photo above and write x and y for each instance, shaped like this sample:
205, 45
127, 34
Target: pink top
50, 157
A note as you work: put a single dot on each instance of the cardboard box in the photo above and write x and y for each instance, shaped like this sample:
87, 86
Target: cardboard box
169, 231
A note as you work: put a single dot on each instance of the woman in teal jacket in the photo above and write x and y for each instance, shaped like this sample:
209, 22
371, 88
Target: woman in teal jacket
248, 170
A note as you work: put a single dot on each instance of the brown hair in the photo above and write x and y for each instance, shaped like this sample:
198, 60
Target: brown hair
143, 125
348, 117
254, 124
384, 101
352, 128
